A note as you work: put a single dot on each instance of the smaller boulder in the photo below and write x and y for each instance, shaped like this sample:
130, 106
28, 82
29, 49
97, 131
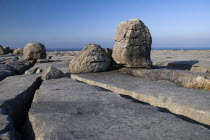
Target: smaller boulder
6, 50
92, 58
1, 50
52, 73
34, 51
18, 51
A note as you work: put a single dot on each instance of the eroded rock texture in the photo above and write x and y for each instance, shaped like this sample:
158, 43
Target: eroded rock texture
1, 50
92, 58
133, 44
18, 51
34, 51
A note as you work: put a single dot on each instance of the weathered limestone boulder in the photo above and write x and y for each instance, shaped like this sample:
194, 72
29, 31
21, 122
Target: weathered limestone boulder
133, 44
18, 51
6, 50
34, 51
52, 73
92, 58
1, 50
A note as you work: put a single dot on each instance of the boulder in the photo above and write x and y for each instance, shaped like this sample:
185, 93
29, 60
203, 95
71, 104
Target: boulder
34, 51
6, 50
1, 50
108, 51
92, 58
18, 51
133, 44
52, 73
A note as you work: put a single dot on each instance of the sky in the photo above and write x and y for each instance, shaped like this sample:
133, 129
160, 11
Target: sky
76, 23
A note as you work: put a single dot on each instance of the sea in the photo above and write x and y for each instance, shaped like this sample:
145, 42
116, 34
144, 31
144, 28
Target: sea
78, 49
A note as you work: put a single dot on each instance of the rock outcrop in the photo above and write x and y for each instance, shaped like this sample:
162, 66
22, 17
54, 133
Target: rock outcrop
1, 50
18, 51
34, 51
52, 73
92, 58
133, 44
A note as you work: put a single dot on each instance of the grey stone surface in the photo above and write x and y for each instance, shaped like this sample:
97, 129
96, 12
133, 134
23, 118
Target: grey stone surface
16, 94
34, 51
191, 103
18, 51
1, 50
193, 60
21, 66
184, 78
6, 71
52, 73
7, 58
92, 58
66, 109
63, 65
133, 44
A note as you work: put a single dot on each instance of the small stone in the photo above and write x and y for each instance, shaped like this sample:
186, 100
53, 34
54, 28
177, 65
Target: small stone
52, 73
34, 51
18, 51
39, 70
92, 58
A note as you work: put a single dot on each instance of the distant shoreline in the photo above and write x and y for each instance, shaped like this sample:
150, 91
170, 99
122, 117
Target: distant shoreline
78, 49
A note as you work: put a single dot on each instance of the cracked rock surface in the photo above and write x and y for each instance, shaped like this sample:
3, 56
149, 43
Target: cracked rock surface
16, 94
133, 44
192, 103
67, 109
184, 78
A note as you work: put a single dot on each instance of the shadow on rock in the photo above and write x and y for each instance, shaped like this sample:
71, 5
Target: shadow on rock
182, 65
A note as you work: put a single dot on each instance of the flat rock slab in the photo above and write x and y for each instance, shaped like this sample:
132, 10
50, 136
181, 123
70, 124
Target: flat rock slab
184, 78
194, 60
21, 66
6, 71
16, 94
6, 58
192, 103
67, 109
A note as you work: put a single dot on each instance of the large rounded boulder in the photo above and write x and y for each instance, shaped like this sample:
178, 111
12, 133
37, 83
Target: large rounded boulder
92, 58
1, 50
34, 51
133, 44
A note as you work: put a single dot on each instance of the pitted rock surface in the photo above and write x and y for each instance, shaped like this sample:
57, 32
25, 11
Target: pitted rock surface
133, 44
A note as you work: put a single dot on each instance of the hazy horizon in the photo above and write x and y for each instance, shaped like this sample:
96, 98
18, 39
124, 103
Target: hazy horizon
76, 23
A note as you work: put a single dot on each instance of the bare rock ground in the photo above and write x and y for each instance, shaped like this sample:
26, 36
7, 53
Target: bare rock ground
67, 109
193, 60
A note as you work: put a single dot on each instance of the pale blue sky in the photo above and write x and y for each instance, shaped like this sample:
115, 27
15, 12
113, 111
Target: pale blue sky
75, 23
